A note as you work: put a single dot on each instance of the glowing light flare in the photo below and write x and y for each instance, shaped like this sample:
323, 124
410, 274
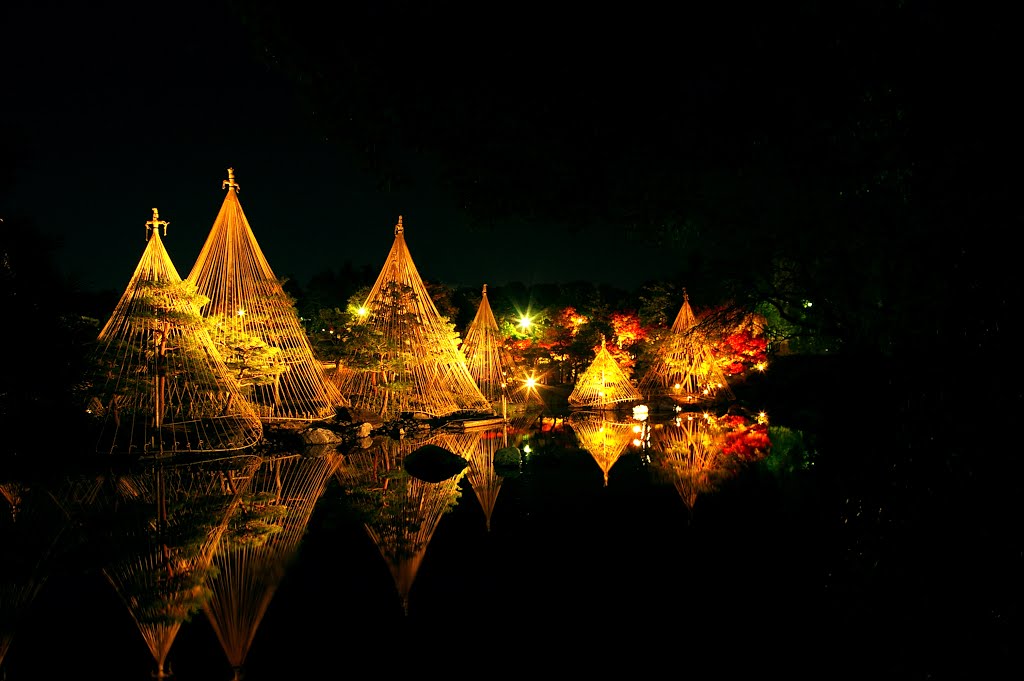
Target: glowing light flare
241, 312
524, 323
362, 311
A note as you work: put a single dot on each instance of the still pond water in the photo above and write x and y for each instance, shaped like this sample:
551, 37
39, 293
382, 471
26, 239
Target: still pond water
564, 543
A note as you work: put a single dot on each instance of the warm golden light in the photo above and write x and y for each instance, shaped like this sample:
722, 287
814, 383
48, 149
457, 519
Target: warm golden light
524, 322
362, 311
241, 312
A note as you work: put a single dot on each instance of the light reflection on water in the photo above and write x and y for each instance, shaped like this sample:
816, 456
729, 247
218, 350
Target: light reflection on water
555, 527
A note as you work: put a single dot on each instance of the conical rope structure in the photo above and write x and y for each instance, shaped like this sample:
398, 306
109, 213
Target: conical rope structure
603, 384
263, 535
684, 368
164, 524
687, 453
406, 510
157, 383
490, 363
255, 324
604, 438
408, 360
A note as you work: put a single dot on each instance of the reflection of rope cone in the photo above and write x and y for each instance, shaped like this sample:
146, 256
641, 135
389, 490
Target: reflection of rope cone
606, 440
410, 509
689, 451
170, 520
486, 483
279, 500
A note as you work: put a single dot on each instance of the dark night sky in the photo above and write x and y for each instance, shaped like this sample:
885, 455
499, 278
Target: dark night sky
113, 108
112, 113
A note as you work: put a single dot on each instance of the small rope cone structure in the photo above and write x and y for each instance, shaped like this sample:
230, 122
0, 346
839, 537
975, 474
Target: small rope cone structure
606, 439
603, 385
251, 563
490, 364
685, 368
167, 522
157, 383
687, 452
409, 510
256, 325
410, 360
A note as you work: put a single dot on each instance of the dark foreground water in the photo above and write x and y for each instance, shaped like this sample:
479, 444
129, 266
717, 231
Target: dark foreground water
860, 544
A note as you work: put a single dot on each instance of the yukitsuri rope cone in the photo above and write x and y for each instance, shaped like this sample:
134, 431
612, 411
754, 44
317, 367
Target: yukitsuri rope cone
409, 360
402, 511
684, 368
606, 439
166, 522
490, 364
263, 535
603, 385
157, 383
255, 323
687, 452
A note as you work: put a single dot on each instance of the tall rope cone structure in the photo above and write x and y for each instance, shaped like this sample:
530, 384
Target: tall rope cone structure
167, 522
606, 439
280, 499
685, 369
603, 384
258, 330
157, 383
410, 361
490, 364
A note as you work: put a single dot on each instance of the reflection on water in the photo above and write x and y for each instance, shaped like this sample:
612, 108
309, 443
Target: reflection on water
301, 562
